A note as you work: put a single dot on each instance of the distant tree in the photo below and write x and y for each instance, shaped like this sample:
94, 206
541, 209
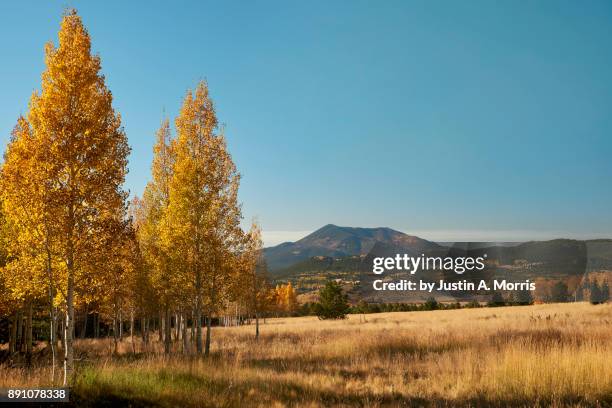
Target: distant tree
333, 302
522, 297
306, 309
253, 281
290, 300
559, 292
594, 293
431, 304
473, 304
361, 307
496, 300
542, 292
605, 292
579, 296
286, 298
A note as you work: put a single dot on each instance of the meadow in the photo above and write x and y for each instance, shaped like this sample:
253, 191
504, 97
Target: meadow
540, 355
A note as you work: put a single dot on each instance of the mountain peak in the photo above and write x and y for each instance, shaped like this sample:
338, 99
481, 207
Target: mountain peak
336, 241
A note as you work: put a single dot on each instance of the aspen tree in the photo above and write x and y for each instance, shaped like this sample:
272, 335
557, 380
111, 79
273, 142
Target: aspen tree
117, 239
28, 225
254, 281
142, 290
290, 298
155, 223
85, 154
203, 214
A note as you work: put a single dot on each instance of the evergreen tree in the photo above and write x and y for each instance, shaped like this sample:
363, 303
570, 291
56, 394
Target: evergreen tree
522, 297
333, 302
559, 292
431, 304
580, 292
595, 293
496, 300
605, 292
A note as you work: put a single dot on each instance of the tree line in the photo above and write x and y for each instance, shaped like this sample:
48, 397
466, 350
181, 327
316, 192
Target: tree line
73, 244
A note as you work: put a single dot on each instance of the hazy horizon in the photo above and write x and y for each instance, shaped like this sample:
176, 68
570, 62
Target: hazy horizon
273, 238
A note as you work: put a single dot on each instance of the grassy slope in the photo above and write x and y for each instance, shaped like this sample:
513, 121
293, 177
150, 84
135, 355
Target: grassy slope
555, 354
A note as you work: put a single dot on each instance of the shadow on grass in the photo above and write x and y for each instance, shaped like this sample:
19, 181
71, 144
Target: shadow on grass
337, 365
168, 388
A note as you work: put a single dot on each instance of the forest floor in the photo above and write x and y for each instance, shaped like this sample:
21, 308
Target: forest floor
541, 355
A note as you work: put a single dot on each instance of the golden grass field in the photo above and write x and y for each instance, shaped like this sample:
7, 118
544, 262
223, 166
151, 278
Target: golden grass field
541, 355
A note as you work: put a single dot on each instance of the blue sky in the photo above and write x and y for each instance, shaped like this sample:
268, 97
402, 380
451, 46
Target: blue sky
451, 120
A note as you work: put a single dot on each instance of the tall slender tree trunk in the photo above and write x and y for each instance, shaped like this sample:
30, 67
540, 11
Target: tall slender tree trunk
161, 327
120, 317
97, 325
69, 326
19, 333
52, 341
192, 328
61, 331
84, 327
198, 324
132, 331
144, 330
69, 329
52, 312
184, 328
52, 317
147, 329
168, 331
256, 325
13, 334
115, 334
28, 333
207, 346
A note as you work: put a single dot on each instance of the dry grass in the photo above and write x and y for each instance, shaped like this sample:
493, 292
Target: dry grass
559, 355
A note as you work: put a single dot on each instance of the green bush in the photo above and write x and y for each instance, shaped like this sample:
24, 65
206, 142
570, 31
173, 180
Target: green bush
333, 303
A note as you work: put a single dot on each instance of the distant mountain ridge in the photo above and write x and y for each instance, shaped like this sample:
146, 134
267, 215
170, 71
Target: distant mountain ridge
336, 242
346, 254
336, 248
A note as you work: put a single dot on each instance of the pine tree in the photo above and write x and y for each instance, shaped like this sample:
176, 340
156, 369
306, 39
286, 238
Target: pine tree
333, 302
496, 300
594, 292
559, 292
604, 291
522, 297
